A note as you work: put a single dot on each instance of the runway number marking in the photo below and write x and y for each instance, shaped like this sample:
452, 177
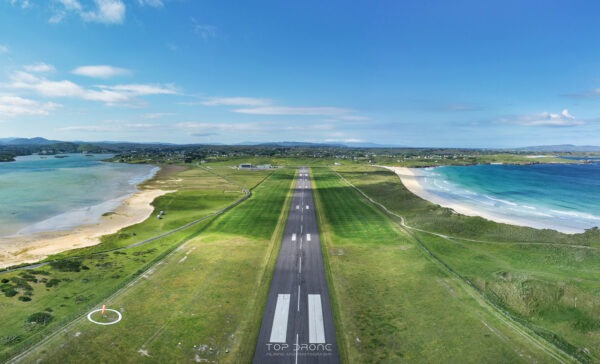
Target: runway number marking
280, 320
316, 329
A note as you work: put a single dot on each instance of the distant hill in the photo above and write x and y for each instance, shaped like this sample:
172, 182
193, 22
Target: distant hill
27, 141
562, 148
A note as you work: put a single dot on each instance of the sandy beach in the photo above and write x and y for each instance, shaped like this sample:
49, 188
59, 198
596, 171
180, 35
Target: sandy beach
30, 248
412, 177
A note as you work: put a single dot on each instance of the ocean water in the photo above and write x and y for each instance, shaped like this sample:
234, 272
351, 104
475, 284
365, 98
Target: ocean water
39, 193
564, 197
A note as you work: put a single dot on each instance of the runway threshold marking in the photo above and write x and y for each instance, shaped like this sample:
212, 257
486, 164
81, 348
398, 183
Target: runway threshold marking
280, 320
293, 237
316, 329
307, 237
297, 207
307, 207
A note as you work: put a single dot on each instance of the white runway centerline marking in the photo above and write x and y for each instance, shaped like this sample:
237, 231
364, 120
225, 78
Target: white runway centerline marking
293, 237
280, 320
316, 329
300, 266
307, 237
298, 298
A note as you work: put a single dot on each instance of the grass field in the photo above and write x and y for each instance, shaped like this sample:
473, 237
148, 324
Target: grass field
393, 302
203, 302
71, 286
546, 280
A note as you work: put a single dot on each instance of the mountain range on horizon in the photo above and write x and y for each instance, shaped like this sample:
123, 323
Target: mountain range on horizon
540, 148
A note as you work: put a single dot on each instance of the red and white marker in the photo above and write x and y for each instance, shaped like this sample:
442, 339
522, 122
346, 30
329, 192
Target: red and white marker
103, 309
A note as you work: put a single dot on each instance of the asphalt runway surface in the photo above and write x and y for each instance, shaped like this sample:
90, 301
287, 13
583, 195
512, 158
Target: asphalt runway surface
297, 325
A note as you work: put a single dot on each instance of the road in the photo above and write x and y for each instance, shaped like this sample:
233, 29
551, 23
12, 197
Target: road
297, 325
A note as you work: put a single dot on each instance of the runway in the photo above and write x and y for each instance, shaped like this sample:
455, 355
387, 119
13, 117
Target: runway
297, 325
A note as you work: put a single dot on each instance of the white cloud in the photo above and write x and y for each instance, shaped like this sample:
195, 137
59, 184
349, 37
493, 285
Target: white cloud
142, 89
91, 128
72, 5
111, 95
13, 106
235, 101
113, 126
285, 110
156, 115
153, 3
4, 49
100, 71
23, 3
107, 12
104, 11
246, 127
39, 67
564, 119
204, 31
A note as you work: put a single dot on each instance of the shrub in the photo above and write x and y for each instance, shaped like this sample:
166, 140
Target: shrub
40, 318
67, 265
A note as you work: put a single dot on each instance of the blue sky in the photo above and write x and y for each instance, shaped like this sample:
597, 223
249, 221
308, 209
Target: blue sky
414, 73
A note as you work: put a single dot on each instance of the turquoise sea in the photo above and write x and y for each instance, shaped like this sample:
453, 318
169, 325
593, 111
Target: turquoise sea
564, 197
45, 193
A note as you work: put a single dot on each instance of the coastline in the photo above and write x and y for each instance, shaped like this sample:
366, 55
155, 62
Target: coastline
411, 178
30, 248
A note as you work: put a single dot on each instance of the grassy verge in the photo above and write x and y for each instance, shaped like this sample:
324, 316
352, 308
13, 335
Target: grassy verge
200, 303
545, 280
392, 302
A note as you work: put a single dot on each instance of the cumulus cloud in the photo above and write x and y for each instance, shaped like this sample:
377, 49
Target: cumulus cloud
107, 12
100, 71
109, 94
13, 106
39, 67
564, 119
102, 11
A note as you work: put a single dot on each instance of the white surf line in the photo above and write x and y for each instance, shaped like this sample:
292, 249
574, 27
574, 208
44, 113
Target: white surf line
293, 237
280, 320
316, 329
298, 298
307, 237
